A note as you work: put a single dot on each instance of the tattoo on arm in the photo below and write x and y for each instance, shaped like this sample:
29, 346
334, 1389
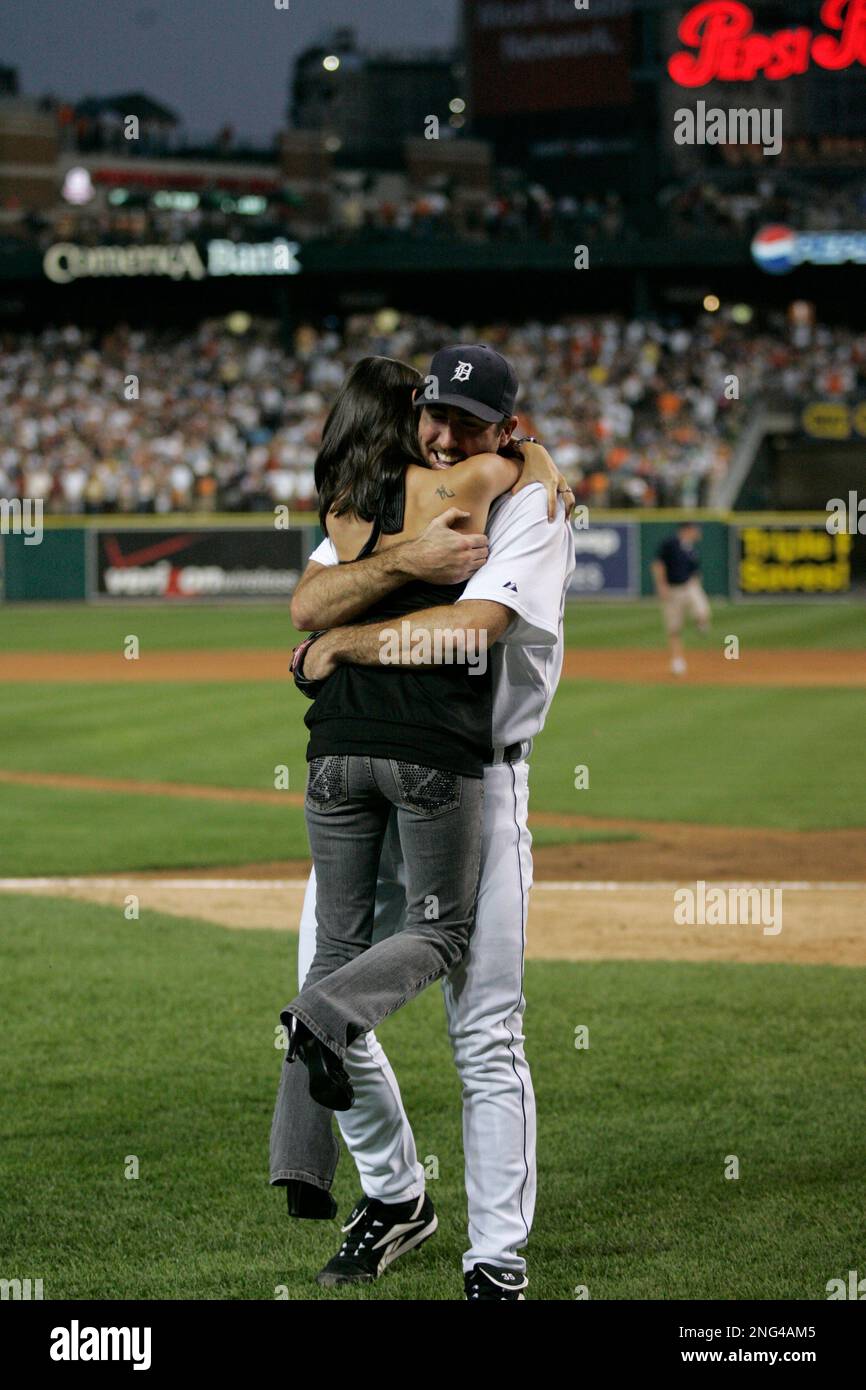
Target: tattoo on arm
443, 492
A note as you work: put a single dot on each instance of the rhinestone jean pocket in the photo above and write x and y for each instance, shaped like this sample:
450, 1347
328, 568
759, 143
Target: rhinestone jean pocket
326, 783
427, 790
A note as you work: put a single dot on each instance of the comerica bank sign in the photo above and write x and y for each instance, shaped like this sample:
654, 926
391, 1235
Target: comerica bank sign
66, 261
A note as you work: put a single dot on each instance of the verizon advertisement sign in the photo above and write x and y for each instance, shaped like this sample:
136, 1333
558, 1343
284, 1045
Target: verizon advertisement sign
547, 55
198, 564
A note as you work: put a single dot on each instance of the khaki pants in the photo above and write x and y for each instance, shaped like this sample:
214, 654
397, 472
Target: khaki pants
685, 601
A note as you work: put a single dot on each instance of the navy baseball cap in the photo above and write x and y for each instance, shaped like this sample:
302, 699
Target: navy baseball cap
474, 377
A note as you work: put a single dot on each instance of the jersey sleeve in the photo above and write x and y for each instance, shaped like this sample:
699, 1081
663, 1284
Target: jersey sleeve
325, 554
530, 562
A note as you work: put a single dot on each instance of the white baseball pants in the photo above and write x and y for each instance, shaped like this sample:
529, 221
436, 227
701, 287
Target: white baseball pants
484, 1005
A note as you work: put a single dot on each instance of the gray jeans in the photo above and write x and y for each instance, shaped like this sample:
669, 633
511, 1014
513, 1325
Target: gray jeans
352, 985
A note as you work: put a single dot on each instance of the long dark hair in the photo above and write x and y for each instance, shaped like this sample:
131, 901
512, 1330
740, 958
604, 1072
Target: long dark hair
369, 437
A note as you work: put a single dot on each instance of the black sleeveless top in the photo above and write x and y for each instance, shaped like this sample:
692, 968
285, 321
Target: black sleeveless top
440, 717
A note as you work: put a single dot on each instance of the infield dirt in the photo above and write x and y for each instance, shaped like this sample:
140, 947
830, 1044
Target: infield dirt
761, 667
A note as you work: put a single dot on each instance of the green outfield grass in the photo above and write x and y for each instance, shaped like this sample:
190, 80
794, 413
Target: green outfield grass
79, 627
759, 625
775, 757
102, 628
48, 830
219, 735
154, 1039
745, 756
742, 756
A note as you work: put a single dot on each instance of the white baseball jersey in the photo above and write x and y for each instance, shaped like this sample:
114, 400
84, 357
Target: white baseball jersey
528, 568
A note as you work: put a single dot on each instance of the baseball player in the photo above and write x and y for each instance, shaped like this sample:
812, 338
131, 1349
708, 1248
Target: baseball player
520, 593
676, 575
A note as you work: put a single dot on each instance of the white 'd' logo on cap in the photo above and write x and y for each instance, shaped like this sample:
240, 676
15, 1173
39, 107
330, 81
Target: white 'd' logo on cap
462, 372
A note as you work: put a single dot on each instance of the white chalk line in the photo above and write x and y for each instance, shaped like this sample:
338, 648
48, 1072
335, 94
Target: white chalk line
579, 886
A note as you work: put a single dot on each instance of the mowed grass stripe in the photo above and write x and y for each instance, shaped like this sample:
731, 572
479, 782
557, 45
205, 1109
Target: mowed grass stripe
758, 625
164, 1050
162, 627
226, 734
78, 627
780, 757
46, 831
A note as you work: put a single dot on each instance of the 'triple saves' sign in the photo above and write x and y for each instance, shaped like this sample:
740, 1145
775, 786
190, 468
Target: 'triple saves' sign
792, 560
547, 55
727, 49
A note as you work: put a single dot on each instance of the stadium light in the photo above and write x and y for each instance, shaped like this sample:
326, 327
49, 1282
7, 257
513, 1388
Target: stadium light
78, 187
331, 63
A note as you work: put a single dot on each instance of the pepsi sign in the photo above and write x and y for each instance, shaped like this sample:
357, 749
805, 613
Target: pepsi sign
778, 249
727, 49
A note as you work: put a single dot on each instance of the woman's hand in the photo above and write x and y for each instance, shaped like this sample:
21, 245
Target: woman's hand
538, 467
318, 660
313, 660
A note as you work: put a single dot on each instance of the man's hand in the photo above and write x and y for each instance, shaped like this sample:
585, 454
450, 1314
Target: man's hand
538, 467
442, 555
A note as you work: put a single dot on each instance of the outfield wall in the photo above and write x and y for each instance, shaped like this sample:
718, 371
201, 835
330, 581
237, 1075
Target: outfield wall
199, 558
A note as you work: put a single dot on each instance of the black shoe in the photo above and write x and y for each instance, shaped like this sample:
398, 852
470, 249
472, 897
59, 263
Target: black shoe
329, 1083
377, 1233
309, 1203
491, 1282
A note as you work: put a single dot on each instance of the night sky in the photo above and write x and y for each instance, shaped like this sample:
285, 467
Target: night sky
212, 61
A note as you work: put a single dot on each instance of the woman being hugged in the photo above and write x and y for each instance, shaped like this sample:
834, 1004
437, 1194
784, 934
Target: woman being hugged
391, 738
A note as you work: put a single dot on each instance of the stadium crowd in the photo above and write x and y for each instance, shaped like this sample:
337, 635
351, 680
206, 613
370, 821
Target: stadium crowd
431, 213
704, 207
522, 212
636, 413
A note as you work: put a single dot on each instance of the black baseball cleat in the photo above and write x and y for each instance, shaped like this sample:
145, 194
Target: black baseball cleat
377, 1233
329, 1082
492, 1282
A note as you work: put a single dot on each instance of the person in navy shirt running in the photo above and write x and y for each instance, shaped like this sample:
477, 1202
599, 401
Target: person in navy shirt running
676, 575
